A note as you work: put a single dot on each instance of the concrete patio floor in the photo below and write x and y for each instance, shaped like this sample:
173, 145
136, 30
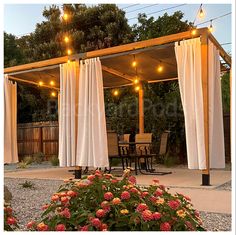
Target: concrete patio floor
188, 182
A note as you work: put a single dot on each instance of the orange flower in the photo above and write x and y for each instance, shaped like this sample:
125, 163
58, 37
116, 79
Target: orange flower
116, 201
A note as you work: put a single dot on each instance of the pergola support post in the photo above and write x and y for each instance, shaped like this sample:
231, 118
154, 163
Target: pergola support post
78, 172
205, 83
141, 111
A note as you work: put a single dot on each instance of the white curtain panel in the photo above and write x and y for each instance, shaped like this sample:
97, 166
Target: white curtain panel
92, 136
69, 79
216, 128
188, 56
10, 121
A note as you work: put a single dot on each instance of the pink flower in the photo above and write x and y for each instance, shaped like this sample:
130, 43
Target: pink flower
134, 190
196, 213
125, 195
66, 213
155, 181
156, 215
165, 226
189, 225
108, 196
96, 222
147, 215
116, 201
71, 193
104, 227
84, 228
162, 187
64, 199
144, 194
114, 181
141, 207
153, 199
42, 227
8, 209
100, 213
31, 224
91, 177
132, 179
158, 193
174, 204
54, 198
60, 227
11, 220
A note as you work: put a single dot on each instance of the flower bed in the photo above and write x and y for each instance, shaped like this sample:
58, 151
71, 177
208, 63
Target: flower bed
10, 222
101, 202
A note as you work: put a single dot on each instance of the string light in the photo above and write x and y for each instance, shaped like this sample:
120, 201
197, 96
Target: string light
137, 88
210, 28
66, 39
115, 92
52, 83
136, 80
69, 52
53, 94
65, 16
201, 12
160, 68
40, 83
194, 32
134, 63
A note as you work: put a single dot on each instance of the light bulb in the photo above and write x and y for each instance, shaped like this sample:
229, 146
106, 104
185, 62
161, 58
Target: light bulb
194, 32
210, 28
160, 68
136, 81
53, 94
69, 52
40, 83
116, 93
66, 39
134, 63
52, 83
137, 88
201, 13
65, 16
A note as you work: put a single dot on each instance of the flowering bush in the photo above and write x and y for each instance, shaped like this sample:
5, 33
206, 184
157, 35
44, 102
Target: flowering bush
101, 202
10, 222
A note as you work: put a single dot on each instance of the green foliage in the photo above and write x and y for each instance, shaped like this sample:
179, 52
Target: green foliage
28, 159
28, 184
225, 87
22, 165
101, 202
54, 160
38, 157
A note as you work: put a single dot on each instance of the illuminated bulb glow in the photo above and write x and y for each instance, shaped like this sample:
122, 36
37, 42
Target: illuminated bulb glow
116, 93
52, 83
69, 52
160, 68
194, 32
210, 28
137, 88
65, 16
66, 39
201, 13
40, 83
136, 81
53, 94
134, 63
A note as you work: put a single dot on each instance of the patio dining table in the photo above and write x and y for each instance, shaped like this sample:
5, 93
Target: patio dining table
133, 154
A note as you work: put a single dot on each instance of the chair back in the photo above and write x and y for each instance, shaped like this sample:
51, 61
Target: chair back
112, 142
163, 143
143, 138
126, 137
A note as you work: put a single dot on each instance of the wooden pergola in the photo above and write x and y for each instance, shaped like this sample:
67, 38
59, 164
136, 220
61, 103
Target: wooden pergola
117, 71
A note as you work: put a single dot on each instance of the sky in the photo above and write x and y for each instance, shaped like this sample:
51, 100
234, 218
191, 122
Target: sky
20, 19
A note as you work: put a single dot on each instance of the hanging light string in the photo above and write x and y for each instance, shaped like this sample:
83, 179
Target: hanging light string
216, 18
199, 9
141, 8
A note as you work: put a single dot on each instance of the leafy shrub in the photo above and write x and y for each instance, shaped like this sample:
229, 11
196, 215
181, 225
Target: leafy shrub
101, 202
54, 160
38, 157
28, 160
22, 165
27, 184
10, 221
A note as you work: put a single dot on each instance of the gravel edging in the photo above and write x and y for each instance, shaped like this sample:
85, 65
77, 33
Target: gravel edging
27, 203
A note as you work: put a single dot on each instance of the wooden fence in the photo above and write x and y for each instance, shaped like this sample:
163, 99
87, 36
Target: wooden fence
38, 137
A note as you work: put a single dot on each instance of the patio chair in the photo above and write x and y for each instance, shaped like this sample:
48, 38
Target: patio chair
113, 149
149, 152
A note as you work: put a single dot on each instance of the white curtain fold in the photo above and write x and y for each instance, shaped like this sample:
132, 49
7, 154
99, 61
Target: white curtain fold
10, 121
188, 56
216, 128
92, 136
69, 80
